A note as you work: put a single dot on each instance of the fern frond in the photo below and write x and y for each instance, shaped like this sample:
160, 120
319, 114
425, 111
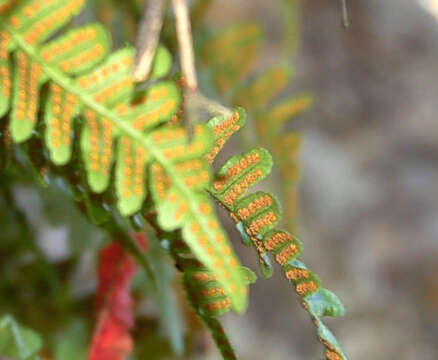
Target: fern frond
223, 129
237, 46
257, 94
99, 91
263, 88
205, 294
208, 301
270, 120
279, 113
256, 216
285, 146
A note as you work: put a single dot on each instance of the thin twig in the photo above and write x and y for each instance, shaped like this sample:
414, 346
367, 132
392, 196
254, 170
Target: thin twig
185, 43
345, 20
148, 37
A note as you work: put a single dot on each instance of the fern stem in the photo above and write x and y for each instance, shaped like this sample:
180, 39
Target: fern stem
185, 43
148, 37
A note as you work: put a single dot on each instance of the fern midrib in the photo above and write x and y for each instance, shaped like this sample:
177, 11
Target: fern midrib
58, 77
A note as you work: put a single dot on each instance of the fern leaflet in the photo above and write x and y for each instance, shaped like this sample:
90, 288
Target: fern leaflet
204, 293
256, 216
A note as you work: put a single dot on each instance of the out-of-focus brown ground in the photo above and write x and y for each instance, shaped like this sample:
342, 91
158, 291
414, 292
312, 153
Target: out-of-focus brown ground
369, 192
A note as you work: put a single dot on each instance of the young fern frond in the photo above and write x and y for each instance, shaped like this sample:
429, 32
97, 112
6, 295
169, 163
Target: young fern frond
81, 82
256, 216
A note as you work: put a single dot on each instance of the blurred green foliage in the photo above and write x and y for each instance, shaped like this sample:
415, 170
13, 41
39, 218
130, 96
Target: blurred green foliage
17, 341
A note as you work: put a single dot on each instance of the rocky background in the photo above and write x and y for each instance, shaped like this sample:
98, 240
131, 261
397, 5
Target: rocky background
369, 189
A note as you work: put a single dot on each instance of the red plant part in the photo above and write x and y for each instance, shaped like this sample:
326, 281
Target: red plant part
115, 318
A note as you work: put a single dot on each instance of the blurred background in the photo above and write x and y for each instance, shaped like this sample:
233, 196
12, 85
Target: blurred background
367, 197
